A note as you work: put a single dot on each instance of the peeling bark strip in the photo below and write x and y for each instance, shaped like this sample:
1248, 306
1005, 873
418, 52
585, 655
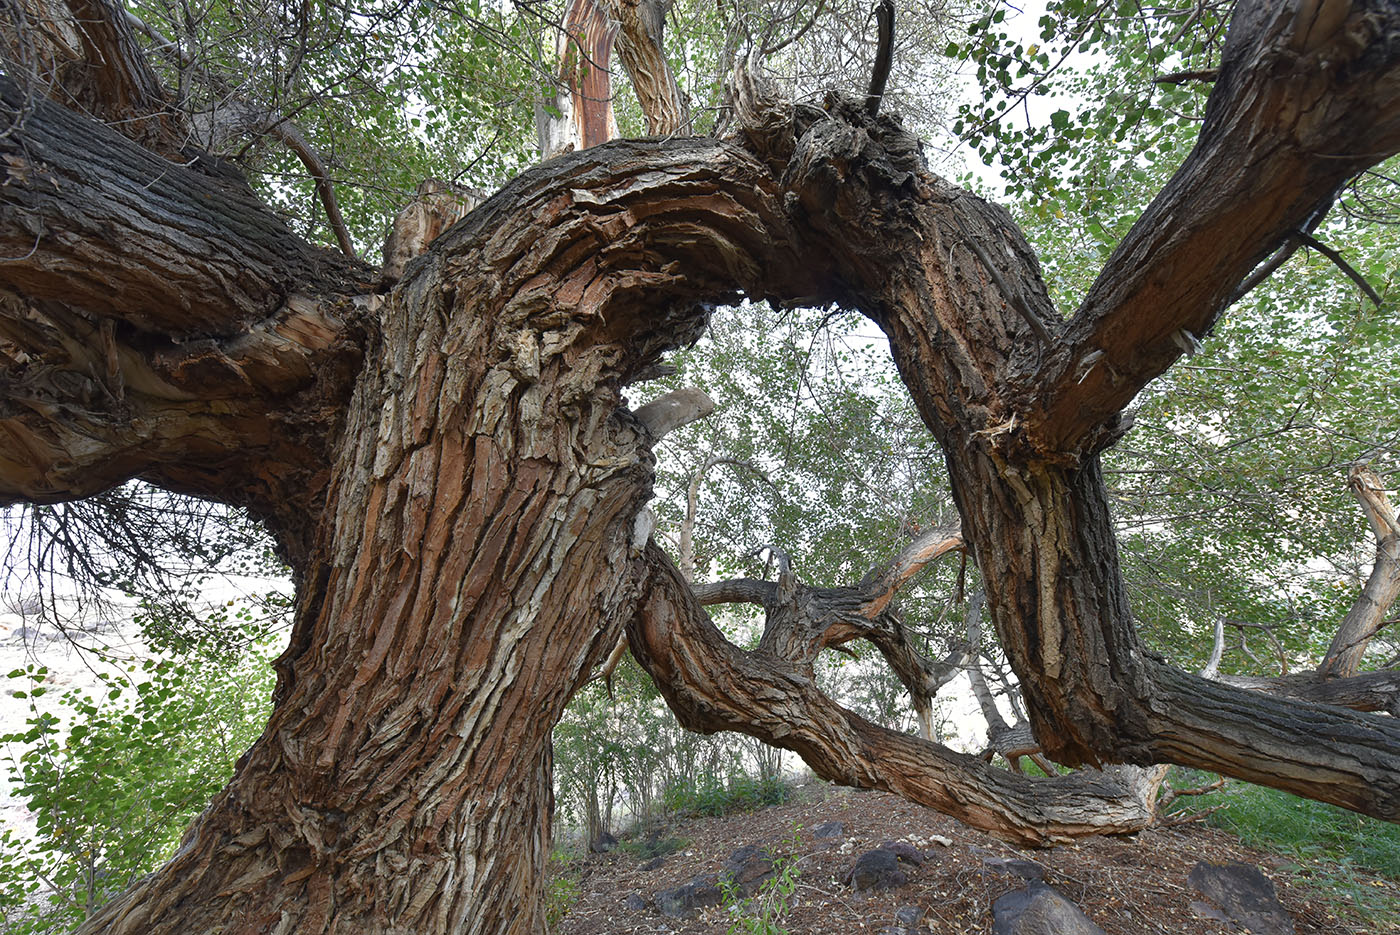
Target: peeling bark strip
460, 483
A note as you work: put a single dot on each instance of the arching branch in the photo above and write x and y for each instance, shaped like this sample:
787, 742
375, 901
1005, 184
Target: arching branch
711, 686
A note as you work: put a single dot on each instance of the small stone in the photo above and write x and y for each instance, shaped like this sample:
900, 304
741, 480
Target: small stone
1025, 869
679, 902
829, 829
1039, 910
635, 902
908, 916
1244, 895
654, 864
876, 870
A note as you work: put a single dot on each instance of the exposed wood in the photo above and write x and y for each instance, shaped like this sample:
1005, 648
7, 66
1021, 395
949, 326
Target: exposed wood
641, 47
582, 104
667, 413
436, 207
1368, 613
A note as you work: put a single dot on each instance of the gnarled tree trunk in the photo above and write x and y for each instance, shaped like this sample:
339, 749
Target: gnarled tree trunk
452, 471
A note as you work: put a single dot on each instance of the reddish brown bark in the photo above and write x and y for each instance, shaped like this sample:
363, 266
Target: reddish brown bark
452, 471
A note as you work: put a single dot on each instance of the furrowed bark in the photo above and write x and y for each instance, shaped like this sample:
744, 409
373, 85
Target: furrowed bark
94, 222
1366, 691
83, 55
642, 49
478, 549
158, 321
477, 558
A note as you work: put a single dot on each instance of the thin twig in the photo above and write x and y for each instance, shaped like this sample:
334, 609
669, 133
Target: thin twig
1343, 265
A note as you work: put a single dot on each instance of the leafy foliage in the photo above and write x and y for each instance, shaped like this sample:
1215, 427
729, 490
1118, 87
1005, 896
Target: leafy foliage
113, 780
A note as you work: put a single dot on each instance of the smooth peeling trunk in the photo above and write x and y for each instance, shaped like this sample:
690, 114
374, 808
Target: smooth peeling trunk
474, 561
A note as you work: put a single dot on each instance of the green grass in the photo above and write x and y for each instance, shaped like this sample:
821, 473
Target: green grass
645, 848
742, 793
1327, 847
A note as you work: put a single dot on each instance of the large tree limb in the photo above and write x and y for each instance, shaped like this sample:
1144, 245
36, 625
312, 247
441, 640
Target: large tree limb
95, 222
641, 46
1038, 522
712, 685
159, 321
84, 55
1366, 691
1308, 96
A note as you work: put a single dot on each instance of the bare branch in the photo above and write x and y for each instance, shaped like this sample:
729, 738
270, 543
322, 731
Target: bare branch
1341, 264
1182, 77
678, 407
1368, 612
884, 56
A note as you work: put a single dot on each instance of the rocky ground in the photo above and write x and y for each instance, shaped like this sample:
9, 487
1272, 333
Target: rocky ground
1135, 885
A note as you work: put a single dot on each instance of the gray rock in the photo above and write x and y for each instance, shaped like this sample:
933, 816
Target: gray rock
906, 921
905, 852
682, 901
747, 868
1244, 895
1025, 869
635, 902
1039, 910
654, 864
829, 829
876, 870
908, 916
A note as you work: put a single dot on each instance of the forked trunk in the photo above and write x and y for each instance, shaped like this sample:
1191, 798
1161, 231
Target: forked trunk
472, 563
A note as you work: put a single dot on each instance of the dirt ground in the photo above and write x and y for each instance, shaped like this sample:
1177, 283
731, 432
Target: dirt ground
1130, 885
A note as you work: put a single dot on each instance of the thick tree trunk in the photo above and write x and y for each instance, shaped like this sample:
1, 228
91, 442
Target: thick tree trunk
454, 474
473, 553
